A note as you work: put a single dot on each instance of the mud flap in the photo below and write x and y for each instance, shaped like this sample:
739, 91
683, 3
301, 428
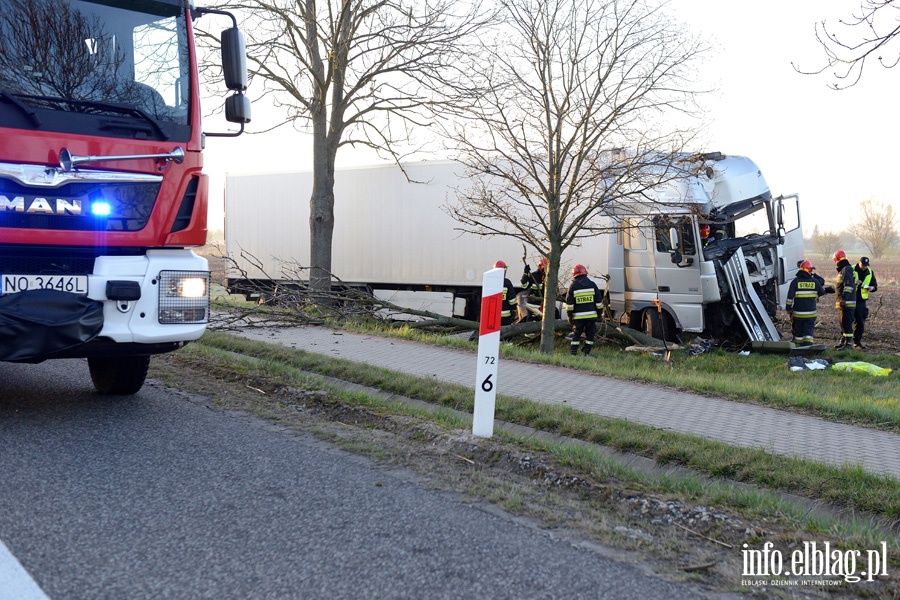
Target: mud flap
749, 308
37, 324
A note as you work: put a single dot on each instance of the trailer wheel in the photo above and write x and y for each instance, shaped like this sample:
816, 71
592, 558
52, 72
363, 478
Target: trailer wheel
118, 375
658, 325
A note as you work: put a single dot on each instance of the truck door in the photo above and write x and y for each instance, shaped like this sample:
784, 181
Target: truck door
640, 274
678, 282
791, 253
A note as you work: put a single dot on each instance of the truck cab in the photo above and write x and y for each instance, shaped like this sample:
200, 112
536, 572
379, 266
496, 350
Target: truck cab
668, 275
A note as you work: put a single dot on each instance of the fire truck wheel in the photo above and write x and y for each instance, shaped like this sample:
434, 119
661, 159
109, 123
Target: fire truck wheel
118, 375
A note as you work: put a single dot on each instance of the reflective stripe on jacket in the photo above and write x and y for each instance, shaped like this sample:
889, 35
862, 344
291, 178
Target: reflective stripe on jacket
802, 296
584, 300
866, 278
509, 299
845, 285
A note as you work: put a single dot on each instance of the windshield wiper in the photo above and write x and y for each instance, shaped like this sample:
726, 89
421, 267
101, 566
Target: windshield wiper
32, 116
122, 109
146, 117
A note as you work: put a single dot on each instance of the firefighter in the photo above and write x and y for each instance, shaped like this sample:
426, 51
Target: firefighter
802, 298
584, 307
845, 288
509, 297
706, 237
533, 282
867, 284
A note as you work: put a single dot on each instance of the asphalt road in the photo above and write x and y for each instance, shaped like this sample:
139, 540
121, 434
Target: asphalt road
159, 496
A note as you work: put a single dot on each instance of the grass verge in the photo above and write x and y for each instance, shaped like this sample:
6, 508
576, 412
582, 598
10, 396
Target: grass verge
848, 487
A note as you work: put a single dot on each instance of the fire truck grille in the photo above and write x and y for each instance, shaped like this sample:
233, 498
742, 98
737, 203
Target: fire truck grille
77, 206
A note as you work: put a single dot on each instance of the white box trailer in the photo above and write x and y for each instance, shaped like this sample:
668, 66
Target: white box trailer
394, 235
390, 234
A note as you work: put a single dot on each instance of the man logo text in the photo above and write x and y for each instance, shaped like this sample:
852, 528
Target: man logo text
41, 206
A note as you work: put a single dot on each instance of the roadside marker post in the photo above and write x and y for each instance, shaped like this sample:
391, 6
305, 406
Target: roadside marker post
488, 353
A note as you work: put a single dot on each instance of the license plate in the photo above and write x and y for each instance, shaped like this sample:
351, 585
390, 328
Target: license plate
75, 284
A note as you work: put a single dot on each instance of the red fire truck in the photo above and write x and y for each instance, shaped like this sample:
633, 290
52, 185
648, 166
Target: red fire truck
102, 194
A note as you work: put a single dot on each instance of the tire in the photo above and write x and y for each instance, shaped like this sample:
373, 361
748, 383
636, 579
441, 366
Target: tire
658, 325
118, 375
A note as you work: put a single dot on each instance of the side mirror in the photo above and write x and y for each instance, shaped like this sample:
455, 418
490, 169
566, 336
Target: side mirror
234, 59
673, 238
237, 109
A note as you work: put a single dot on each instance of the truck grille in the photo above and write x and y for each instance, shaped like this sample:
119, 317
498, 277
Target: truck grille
77, 206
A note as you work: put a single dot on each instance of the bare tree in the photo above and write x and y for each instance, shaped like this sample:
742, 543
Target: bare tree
824, 243
353, 73
870, 32
875, 226
546, 110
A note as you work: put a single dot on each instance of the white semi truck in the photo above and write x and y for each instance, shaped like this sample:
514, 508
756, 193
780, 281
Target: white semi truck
394, 238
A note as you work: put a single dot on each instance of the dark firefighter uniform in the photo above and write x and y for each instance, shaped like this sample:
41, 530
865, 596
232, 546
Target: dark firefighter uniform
533, 283
507, 310
801, 305
508, 296
845, 288
867, 284
584, 307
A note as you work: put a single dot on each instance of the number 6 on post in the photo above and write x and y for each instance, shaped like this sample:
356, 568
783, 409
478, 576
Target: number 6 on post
488, 354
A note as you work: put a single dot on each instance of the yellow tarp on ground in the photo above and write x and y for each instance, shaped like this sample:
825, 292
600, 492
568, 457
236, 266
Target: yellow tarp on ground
861, 367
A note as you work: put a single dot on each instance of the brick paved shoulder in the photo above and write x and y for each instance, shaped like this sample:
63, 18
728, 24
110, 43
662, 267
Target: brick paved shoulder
714, 418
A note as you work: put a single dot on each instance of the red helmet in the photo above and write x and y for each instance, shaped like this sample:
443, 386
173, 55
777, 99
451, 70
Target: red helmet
806, 266
839, 255
578, 270
499, 265
543, 263
704, 231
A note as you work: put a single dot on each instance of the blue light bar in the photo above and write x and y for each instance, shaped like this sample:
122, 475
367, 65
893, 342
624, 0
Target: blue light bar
101, 209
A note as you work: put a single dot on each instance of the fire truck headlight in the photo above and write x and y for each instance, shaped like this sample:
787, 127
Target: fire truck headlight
192, 287
183, 297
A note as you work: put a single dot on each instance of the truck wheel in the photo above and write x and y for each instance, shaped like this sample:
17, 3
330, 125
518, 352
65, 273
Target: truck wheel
118, 375
658, 325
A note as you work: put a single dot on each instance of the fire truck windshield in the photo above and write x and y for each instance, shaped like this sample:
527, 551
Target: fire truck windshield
92, 59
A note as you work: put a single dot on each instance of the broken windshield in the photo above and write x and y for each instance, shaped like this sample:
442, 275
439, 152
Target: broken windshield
756, 222
71, 55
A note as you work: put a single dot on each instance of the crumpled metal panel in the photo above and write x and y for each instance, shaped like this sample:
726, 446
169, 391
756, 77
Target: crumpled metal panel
747, 305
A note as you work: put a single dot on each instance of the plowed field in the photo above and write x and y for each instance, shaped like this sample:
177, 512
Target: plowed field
882, 327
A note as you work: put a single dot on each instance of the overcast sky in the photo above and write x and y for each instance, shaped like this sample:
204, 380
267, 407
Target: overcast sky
834, 148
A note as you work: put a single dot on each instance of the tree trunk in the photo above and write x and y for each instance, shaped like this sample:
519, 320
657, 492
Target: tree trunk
551, 285
321, 210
